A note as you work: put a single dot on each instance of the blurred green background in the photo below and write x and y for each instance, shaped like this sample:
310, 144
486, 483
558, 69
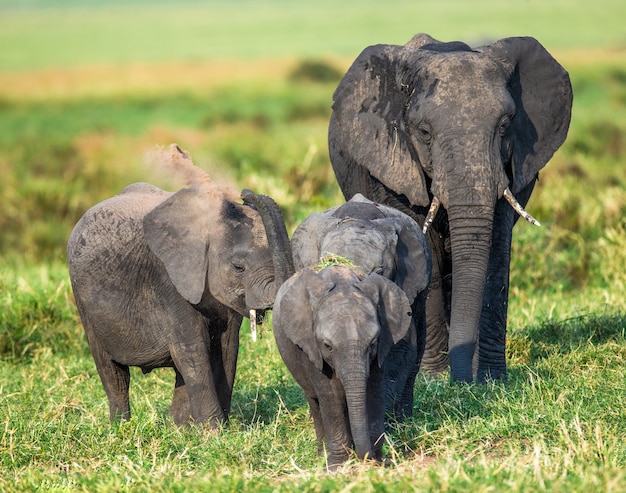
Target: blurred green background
87, 87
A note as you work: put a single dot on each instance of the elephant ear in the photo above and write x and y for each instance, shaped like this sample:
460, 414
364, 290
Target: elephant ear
367, 127
177, 232
542, 92
294, 309
307, 238
394, 311
413, 255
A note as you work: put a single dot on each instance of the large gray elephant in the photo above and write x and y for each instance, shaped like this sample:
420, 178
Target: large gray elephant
164, 280
382, 240
432, 123
334, 329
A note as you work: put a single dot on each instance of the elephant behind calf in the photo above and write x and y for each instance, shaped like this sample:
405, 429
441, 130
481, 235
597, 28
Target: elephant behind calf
164, 280
352, 335
382, 240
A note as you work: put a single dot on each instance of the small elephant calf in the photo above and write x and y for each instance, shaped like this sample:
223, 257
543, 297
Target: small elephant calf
334, 329
164, 279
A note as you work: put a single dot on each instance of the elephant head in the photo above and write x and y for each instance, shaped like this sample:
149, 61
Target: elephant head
442, 123
345, 323
376, 238
237, 253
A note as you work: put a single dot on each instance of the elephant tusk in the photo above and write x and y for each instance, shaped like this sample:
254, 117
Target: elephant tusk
517, 207
253, 324
432, 212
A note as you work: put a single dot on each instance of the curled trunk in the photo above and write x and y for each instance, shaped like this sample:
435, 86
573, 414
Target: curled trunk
276, 232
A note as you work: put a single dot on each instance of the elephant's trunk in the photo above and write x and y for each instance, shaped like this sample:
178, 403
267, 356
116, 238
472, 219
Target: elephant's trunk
354, 382
277, 236
470, 234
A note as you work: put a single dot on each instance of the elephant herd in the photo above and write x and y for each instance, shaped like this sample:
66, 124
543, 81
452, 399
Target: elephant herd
436, 147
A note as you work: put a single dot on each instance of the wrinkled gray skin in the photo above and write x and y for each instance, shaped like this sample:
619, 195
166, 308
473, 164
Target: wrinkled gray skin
164, 280
382, 240
334, 330
431, 119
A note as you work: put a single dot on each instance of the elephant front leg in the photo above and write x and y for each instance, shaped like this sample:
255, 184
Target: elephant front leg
334, 417
314, 407
224, 362
192, 361
115, 378
435, 358
376, 409
180, 410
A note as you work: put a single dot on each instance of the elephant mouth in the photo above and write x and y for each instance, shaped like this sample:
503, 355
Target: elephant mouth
508, 195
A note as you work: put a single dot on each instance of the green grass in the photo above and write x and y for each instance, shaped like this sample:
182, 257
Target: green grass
147, 75
70, 33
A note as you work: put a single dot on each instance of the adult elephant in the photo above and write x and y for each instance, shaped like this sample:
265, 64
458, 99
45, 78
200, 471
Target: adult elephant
164, 280
442, 123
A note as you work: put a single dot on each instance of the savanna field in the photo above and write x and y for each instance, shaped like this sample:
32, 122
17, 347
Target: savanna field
88, 88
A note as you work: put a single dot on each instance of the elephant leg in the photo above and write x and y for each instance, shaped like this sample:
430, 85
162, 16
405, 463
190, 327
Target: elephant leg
404, 408
435, 358
191, 358
400, 371
336, 426
493, 322
376, 409
115, 377
224, 362
180, 410
314, 407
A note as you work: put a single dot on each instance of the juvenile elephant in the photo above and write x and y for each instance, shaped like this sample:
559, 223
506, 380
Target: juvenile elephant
333, 329
432, 123
164, 280
382, 240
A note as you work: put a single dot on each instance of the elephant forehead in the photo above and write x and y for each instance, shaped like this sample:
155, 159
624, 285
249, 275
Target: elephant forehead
368, 248
345, 309
355, 234
464, 76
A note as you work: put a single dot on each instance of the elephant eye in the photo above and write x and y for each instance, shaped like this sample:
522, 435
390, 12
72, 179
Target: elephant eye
239, 268
424, 132
504, 125
327, 346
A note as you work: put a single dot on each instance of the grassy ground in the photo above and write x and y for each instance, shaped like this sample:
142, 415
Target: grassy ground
87, 88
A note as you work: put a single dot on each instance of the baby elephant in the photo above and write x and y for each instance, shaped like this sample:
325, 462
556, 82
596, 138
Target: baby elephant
386, 241
164, 280
334, 329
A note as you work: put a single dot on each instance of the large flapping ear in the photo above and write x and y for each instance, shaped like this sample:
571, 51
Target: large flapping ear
394, 312
413, 255
367, 124
542, 92
177, 232
294, 309
307, 238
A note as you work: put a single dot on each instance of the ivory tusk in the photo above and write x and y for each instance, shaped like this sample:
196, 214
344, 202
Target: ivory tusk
432, 212
253, 324
517, 207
